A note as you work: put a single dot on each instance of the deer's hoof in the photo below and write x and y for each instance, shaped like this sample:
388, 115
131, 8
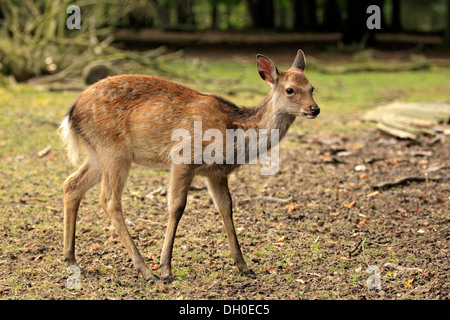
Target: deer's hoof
168, 279
148, 275
249, 273
154, 277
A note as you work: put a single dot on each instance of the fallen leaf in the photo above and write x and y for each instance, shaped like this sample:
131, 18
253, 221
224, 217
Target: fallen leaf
271, 270
291, 207
354, 145
150, 256
95, 246
111, 239
364, 176
154, 266
392, 161
351, 204
408, 282
327, 157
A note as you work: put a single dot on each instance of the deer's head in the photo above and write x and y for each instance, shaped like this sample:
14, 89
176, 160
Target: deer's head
292, 93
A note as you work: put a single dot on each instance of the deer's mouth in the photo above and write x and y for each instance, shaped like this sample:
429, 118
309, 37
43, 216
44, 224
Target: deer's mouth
308, 115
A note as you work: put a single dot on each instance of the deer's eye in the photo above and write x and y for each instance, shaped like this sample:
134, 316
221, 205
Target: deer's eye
290, 91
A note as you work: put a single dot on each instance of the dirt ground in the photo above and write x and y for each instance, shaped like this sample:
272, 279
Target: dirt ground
309, 232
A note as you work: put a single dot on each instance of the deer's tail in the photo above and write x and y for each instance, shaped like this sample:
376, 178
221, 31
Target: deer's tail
69, 137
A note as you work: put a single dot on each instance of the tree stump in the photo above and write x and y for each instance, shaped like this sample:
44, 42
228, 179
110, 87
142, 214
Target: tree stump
96, 71
410, 120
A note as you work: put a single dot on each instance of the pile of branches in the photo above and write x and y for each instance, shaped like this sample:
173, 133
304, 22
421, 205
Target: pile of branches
37, 46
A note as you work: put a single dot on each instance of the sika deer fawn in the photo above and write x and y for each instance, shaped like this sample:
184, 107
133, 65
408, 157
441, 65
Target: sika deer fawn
130, 119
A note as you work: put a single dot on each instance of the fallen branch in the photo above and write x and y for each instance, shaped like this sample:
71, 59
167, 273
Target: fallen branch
402, 269
372, 160
402, 181
44, 151
437, 168
386, 244
267, 199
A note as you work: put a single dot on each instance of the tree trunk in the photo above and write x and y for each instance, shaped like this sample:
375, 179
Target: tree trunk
166, 16
396, 23
261, 12
447, 31
305, 15
355, 25
356, 29
185, 13
332, 20
215, 19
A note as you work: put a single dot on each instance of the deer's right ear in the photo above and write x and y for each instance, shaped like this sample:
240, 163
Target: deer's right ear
267, 69
300, 61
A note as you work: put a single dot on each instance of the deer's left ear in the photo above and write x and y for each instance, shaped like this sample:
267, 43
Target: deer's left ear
267, 69
300, 61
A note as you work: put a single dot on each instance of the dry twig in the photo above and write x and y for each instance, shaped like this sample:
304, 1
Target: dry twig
402, 181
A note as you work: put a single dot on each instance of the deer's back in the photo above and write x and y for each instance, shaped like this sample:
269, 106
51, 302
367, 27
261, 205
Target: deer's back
137, 114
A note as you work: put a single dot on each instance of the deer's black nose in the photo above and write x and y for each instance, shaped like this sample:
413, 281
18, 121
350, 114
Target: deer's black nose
315, 110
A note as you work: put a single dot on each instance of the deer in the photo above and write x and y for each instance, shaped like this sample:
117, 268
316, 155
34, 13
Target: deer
128, 119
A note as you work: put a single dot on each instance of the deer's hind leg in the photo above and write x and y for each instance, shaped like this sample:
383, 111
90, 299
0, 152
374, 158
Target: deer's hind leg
75, 187
113, 181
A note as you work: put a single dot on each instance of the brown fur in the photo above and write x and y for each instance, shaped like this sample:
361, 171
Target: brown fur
130, 118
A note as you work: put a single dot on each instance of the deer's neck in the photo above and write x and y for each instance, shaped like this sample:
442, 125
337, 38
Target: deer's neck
265, 116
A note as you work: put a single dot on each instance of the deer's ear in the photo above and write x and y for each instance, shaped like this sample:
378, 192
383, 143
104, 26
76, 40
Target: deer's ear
300, 61
267, 69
